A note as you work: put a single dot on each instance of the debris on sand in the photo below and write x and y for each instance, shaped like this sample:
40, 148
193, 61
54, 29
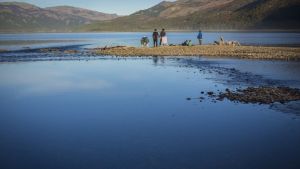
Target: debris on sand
261, 95
228, 43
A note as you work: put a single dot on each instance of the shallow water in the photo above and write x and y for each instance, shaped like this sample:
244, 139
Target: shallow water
62, 110
133, 113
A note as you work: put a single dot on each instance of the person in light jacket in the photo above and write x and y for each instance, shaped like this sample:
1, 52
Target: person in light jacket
163, 38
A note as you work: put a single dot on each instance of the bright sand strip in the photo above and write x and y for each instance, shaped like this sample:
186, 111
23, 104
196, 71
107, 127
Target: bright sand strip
249, 52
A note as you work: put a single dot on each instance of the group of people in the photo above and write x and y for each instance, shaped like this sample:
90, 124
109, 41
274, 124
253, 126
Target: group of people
163, 40
157, 37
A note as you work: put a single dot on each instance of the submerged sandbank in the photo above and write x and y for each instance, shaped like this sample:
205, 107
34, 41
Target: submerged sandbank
32, 42
3, 50
249, 52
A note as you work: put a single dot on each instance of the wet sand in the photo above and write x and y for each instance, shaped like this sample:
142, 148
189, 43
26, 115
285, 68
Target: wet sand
248, 52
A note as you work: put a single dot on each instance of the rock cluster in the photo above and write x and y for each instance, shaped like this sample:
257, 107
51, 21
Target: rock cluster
261, 95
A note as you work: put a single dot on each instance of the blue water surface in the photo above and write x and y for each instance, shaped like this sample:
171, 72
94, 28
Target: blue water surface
133, 113
106, 112
133, 39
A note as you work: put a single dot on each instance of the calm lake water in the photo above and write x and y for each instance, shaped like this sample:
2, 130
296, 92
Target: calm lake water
133, 39
132, 113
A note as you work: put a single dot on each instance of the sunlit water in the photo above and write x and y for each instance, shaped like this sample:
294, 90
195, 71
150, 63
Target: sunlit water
132, 113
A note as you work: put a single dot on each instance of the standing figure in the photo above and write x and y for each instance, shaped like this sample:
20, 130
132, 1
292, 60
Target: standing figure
199, 37
155, 37
163, 38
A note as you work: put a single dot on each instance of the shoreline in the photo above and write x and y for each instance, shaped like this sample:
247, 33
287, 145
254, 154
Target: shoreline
170, 30
242, 52
33, 42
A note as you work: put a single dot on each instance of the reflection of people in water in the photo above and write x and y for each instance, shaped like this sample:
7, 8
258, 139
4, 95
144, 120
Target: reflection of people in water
155, 60
162, 60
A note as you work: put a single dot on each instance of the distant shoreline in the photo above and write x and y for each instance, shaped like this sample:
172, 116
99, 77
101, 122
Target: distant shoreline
170, 30
32, 42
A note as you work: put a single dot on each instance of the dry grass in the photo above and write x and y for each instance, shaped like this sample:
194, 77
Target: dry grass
250, 52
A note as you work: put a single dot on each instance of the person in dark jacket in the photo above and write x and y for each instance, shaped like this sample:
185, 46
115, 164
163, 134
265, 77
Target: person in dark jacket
155, 37
199, 37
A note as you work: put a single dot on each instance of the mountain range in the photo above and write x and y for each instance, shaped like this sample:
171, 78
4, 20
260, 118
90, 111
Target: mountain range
209, 15
24, 17
176, 15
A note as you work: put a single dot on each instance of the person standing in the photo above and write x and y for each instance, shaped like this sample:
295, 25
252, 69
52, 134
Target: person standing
155, 37
163, 38
200, 37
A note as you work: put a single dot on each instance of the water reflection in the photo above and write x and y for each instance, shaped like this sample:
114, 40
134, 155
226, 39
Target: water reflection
155, 60
292, 108
158, 60
129, 113
47, 80
238, 72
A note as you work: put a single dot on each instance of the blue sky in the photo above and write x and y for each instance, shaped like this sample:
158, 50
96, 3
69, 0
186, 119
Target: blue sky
121, 7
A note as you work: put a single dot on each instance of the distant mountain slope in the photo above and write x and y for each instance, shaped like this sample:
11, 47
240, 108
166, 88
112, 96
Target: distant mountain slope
183, 8
177, 15
209, 14
24, 17
271, 13
80, 12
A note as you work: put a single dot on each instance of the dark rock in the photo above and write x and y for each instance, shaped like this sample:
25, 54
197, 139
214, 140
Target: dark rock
262, 95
